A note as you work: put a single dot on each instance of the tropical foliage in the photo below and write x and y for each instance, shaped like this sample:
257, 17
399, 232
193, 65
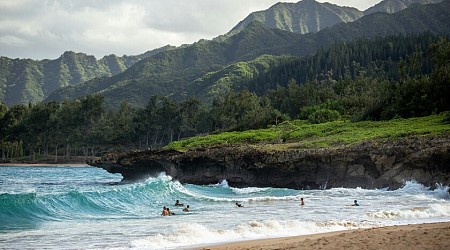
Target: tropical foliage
178, 73
364, 91
31, 81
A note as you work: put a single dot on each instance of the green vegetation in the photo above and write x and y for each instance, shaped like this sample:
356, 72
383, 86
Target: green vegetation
30, 81
419, 88
302, 17
234, 77
302, 134
260, 100
178, 73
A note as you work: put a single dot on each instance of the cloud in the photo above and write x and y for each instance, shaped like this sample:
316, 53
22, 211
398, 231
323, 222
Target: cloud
13, 41
46, 28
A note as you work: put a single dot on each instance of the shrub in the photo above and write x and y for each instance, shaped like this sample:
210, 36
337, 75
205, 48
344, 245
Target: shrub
323, 115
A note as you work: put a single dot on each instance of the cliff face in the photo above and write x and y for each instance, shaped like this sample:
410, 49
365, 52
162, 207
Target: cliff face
372, 164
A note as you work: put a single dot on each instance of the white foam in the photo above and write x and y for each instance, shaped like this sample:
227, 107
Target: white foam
433, 211
249, 190
222, 184
441, 192
413, 187
189, 234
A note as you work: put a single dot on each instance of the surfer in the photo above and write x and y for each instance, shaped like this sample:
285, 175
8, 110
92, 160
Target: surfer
355, 203
165, 212
302, 203
239, 205
177, 203
186, 209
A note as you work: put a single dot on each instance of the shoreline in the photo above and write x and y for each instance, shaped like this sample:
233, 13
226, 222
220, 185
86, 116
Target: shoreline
411, 236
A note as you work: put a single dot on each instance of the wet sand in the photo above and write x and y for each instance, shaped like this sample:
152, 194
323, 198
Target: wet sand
406, 237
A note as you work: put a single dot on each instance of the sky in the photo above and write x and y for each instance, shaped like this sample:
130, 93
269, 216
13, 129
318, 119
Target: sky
45, 29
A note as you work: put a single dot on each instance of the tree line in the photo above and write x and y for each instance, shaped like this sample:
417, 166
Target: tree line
365, 80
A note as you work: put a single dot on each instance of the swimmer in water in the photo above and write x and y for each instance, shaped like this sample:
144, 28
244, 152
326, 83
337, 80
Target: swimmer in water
164, 212
302, 203
355, 203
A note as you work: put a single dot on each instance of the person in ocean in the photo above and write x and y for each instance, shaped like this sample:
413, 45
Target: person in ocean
302, 203
177, 203
239, 205
186, 209
164, 212
170, 212
355, 203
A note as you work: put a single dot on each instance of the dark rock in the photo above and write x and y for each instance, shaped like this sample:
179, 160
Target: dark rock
372, 164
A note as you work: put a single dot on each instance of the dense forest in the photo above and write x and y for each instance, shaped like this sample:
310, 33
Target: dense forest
31, 81
201, 69
391, 77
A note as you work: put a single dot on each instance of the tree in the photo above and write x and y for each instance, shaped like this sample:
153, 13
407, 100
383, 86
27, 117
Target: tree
12, 130
169, 115
92, 110
71, 125
440, 76
190, 111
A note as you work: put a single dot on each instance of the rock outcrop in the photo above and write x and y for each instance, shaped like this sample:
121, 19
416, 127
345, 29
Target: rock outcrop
373, 164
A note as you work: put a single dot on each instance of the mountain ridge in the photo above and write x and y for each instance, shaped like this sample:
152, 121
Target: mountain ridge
392, 6
302, 17
213, 55
31, 81
34, 81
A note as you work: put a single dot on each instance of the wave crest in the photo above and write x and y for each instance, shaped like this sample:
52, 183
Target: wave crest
435, 210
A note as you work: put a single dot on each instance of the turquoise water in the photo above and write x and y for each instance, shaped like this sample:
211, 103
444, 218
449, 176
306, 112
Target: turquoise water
88, 208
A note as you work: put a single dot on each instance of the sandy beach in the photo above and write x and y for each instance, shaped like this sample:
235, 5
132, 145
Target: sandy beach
420, 236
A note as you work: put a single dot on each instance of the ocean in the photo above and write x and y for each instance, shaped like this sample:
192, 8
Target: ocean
89, 208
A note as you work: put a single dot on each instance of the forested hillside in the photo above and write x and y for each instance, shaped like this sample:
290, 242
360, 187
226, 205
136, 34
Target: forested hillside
31, 81
178, 73
381, 67
393, 77
309, 16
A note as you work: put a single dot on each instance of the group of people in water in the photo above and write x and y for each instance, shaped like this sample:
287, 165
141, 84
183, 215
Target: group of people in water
166, 211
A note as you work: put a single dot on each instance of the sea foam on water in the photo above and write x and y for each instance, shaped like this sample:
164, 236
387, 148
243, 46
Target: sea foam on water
56, 208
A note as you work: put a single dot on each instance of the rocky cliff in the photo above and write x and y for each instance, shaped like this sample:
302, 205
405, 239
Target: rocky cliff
373, 164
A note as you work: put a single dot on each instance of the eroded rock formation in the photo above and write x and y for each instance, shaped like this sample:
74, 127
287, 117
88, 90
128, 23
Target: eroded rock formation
373, 164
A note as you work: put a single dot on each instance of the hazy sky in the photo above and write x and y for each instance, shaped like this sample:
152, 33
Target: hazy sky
41, 29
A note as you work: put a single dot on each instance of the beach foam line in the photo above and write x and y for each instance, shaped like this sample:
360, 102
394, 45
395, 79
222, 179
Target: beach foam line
413, 236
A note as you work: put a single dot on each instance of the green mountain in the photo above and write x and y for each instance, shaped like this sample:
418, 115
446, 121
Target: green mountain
196, 70
31, 81
171, 73
309, 16
234, 77
303, 17
392, 6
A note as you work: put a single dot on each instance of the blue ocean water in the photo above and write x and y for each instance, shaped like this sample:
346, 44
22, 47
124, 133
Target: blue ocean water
88, 208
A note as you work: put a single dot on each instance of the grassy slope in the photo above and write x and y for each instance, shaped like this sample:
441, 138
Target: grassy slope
301, 134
